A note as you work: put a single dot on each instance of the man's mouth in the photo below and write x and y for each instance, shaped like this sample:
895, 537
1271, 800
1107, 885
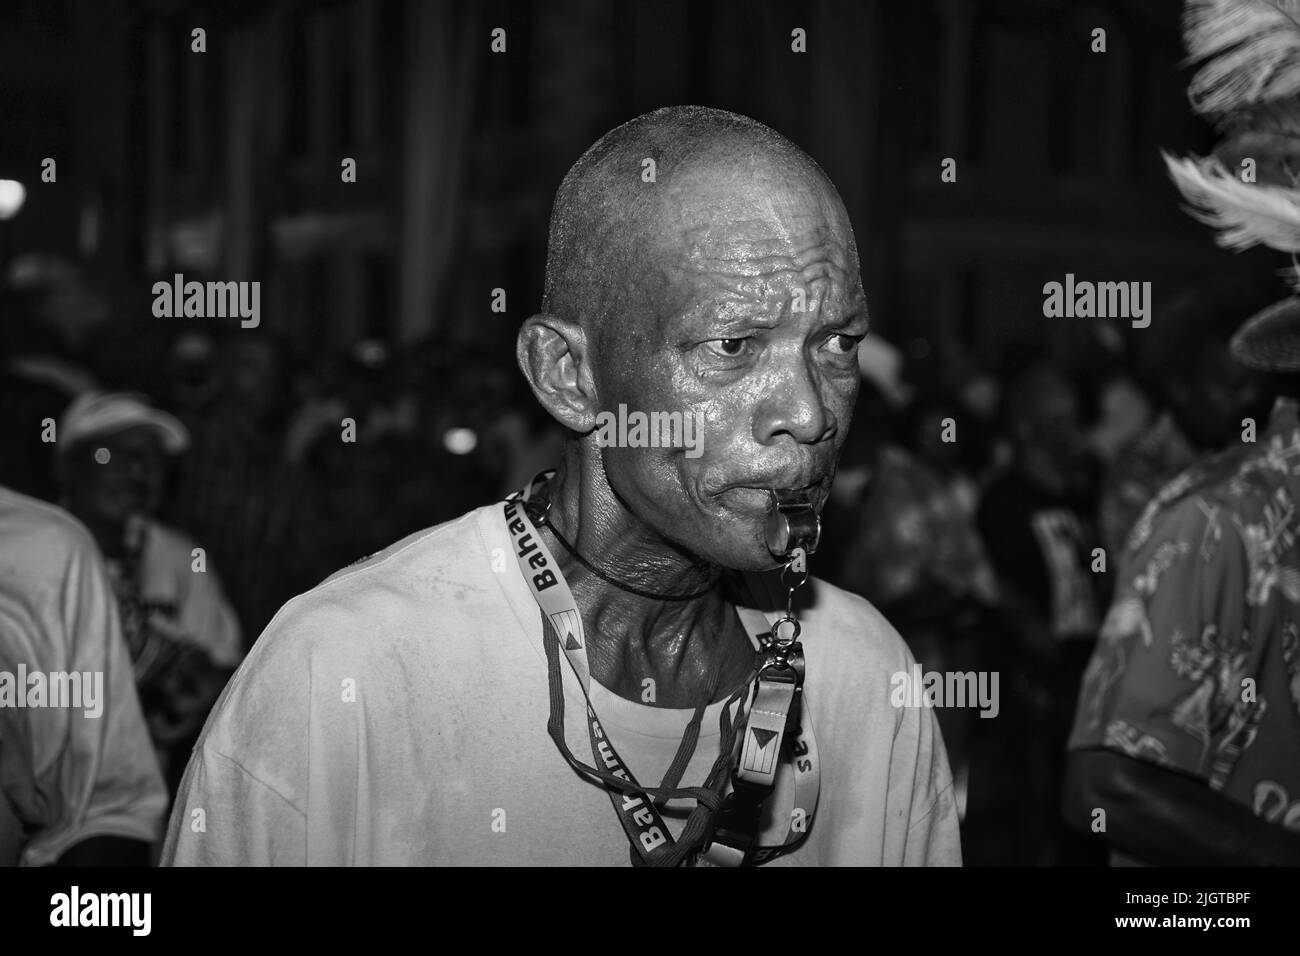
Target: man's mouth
758, 499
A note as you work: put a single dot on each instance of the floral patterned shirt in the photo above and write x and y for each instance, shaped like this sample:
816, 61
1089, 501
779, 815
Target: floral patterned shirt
1198, 665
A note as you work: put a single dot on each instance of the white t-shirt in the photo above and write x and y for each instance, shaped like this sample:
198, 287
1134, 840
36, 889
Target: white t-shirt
396, 714
66, 775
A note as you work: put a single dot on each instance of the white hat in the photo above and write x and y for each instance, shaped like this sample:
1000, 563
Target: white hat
92, 414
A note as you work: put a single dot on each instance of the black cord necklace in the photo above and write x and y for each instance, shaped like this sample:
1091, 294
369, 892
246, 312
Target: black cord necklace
541, 516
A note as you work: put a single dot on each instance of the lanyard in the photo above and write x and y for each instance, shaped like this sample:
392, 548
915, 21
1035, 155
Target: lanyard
726, 826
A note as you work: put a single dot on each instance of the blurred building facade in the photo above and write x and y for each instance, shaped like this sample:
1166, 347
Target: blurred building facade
227, 164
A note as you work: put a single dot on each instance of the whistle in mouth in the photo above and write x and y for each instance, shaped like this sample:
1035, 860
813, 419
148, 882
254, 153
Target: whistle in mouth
792, 523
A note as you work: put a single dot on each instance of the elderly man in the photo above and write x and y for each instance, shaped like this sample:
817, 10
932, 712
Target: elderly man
414, 708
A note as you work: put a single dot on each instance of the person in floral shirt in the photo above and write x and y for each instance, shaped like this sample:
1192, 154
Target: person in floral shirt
1187, 733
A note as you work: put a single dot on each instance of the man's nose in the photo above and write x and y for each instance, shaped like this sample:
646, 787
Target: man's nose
794, 407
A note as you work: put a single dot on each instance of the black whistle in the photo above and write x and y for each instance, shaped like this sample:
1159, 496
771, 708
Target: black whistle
792, 523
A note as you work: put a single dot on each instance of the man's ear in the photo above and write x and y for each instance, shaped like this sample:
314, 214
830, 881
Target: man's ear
552, 354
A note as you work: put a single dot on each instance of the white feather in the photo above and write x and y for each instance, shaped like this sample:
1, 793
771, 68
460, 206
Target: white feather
1276, 157
1281, 118
1245, 214
1250, 50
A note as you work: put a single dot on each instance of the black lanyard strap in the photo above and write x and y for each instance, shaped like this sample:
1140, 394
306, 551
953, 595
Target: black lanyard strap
651, 842
757, 739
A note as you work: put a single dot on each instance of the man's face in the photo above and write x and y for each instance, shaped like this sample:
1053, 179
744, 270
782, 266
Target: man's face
752, 309
128, 479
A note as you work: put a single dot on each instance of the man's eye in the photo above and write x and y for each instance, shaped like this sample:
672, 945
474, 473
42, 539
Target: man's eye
843, 344
730, 348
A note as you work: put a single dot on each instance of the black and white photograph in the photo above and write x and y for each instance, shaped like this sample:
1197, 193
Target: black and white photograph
651, 433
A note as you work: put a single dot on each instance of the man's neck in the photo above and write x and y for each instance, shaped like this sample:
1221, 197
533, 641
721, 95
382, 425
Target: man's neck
678, 653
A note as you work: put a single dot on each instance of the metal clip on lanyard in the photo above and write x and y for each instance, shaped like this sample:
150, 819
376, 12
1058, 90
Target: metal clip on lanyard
793, 532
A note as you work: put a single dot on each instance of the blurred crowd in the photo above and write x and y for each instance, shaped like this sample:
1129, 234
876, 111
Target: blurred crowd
982, 506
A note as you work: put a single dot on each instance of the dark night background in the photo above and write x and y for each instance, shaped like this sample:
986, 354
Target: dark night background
376, 296
228, 162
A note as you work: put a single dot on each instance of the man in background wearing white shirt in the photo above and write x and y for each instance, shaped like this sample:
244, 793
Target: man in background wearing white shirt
79, 783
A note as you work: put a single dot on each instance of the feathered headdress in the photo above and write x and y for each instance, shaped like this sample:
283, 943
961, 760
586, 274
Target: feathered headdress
1248, 86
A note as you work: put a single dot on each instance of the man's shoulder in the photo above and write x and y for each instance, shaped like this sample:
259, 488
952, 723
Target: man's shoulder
848, 628
376, 623
42, 536
455, 544
1241, 480
854, 657
440, 569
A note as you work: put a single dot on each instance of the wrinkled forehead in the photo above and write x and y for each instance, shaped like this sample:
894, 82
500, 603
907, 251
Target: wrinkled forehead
735, 208
753, 228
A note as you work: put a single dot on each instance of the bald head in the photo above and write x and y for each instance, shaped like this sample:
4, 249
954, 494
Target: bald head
710, 166
723, 291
